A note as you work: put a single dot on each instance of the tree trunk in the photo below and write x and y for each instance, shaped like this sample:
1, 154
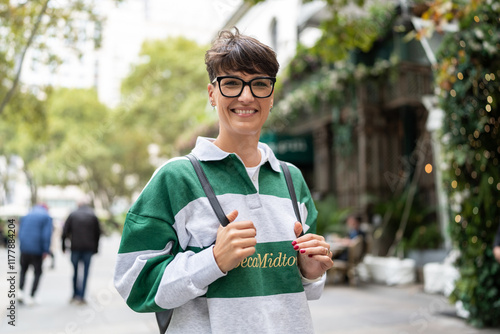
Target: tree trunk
409, 200
33, 186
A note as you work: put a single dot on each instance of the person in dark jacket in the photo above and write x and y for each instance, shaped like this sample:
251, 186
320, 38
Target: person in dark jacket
35, 232
83, 230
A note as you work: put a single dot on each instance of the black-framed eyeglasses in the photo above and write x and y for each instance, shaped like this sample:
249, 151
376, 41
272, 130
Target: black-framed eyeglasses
231, 86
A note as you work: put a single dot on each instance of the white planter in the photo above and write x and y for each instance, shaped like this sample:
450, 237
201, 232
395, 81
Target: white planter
390, 270
401, 272
439, 278
433, 278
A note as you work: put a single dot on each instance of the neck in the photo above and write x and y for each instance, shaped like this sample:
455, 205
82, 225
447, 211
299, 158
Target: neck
246, 147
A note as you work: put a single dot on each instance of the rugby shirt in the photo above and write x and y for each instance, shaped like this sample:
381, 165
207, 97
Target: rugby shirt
166, 261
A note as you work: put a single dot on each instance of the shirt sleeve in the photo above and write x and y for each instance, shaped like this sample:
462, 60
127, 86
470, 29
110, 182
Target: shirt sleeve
314, 288
153, 271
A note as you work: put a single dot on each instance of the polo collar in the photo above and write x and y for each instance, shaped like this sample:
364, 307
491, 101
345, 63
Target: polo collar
206, 150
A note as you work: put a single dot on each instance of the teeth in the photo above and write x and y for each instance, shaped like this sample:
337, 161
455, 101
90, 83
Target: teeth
244, 111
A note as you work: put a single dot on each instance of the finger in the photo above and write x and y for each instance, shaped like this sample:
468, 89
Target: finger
244, 229
309, 237
297, 229
244, 243
232, 216
306, 241
242, 225
320, 251
311, 240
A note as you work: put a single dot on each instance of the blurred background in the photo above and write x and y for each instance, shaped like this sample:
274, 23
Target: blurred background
389, 108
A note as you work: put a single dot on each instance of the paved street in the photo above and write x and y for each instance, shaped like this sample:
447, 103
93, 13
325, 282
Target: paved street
367, 309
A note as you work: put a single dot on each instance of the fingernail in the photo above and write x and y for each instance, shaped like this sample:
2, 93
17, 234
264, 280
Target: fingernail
294, 242
302, 251
296, 247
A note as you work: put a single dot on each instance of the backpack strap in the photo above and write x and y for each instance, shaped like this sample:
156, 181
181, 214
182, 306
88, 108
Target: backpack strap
291, 190
207, 188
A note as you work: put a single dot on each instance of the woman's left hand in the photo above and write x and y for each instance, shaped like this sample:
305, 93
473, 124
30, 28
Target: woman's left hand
315, 257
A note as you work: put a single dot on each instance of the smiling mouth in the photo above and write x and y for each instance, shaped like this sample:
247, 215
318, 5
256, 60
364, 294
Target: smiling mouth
243, 112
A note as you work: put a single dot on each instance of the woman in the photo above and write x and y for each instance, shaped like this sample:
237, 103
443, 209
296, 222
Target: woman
258, 275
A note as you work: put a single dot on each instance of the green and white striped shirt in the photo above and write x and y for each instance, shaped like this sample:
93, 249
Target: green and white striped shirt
166, 259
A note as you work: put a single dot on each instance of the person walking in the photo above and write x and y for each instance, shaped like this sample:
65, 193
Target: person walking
257, 273
35, 233
82, 229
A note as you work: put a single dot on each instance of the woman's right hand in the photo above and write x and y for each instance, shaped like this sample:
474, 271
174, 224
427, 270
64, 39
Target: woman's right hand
234, 242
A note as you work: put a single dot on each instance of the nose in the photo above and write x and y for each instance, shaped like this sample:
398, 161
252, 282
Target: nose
246, 95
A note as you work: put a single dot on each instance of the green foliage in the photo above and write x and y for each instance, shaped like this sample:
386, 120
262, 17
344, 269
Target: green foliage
38, 25
72, 116
421, 220
331, 218
22, 133
343, 31
469, 74
87, 145
24, 116
66, 136
425, 237
323, 76
320, 81
311, 88
166, 94
347, 29
110, 226
307, 92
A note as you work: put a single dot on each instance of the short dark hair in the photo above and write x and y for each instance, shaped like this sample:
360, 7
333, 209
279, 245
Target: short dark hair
236, 52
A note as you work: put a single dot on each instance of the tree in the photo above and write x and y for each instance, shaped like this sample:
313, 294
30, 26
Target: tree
34, 24
166, 94
88, 146
351, 24
22, 134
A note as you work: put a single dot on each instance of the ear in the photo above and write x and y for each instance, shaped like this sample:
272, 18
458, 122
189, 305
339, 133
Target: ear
211, 91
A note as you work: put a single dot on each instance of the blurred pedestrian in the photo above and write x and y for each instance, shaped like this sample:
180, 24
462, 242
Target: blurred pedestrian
496, 245
82, 229
353, 224
35, 232
3, 235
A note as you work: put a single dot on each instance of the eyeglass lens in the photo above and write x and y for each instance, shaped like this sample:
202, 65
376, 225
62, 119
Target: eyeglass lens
260, 87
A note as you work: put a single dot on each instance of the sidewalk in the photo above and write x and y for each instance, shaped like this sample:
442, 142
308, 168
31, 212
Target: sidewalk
368, 309
378, 309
